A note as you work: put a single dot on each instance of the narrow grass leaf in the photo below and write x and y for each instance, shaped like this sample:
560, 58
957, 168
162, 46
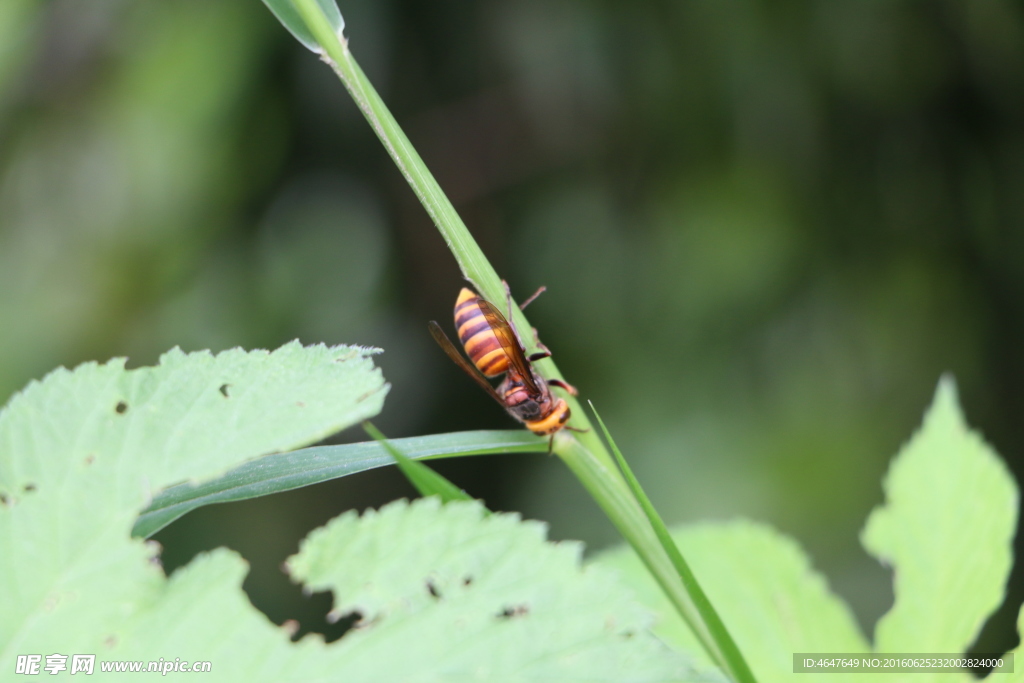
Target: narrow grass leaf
764, 586
427, 481
295, 469
700, 599
289, 17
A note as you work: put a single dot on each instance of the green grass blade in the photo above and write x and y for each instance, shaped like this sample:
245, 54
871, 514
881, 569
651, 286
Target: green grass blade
584, 453
427, 481
285, 12
292, 470
333, 48
709, 615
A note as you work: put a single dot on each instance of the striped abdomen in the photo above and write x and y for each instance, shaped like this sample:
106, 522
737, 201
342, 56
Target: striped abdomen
482, 346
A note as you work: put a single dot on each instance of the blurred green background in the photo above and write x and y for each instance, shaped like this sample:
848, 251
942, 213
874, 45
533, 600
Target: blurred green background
766, 230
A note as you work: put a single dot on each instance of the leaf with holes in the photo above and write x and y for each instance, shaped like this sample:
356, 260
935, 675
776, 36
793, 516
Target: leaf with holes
83, 451
461, 595
486, 597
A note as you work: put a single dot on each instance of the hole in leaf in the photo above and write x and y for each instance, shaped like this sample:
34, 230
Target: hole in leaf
517, 611
432, 589
224, 389
121, 408
340, 625
264, 530
467, 581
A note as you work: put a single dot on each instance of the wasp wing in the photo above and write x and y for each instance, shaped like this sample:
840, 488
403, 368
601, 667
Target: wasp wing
510, 343
446, 345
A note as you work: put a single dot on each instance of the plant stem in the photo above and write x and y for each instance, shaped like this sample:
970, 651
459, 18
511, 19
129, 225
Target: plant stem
709, 616
585, 454
474, 265
614, 496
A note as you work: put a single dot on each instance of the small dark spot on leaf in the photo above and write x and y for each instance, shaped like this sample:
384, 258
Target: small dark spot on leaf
90, 459
365, 396
517, 611
224, 389
110, 641
432, 589
29, 487
467, 581
3, 499
121, 408
627, 634
300, 404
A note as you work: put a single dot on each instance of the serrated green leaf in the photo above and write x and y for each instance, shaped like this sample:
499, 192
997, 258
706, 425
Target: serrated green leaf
946, 529
765, 589
427, 481
292, 470
82, 451
486, 597
96, 441
529, 611
289, 17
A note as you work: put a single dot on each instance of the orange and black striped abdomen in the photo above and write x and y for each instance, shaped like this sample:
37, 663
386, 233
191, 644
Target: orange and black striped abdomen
477, 337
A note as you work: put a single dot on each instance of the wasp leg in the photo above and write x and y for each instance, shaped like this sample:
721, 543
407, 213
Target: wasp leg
551, 445
540, 290
544, 352
522, 306
564, 385
537, 342
576, 429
